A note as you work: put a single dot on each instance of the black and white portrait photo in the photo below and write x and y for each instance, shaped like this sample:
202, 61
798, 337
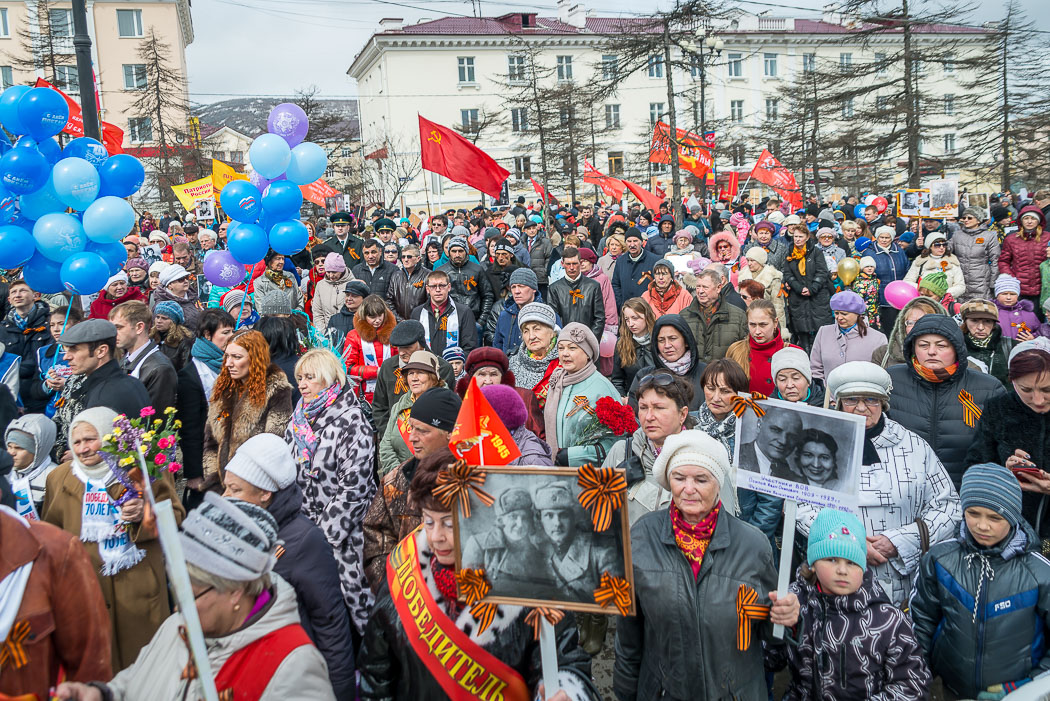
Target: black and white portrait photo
800, 452
536, 543
914, 203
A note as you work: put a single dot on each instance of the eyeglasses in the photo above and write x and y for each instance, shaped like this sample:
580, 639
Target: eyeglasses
410, 256
869, 402
202, 593
439, 286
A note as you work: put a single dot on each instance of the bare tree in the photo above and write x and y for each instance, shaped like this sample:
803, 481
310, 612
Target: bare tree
326, 123
45, 43
488, 123
387, 175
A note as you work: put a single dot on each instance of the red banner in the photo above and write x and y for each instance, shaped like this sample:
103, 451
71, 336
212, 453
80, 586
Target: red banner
317, 191
694, 154
445, 152
612, 187
729, 192
478, 429
769, 171
648, 199
112, 135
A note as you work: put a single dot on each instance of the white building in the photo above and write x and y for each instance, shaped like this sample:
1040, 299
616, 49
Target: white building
456, 70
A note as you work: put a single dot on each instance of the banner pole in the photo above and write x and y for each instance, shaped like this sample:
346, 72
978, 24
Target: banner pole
787, 546
549, 658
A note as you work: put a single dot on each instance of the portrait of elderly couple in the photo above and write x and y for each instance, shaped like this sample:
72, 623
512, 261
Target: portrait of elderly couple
536, 542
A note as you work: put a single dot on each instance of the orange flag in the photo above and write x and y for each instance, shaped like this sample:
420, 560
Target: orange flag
480, 437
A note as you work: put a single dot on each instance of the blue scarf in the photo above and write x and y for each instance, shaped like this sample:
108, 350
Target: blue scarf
208, 353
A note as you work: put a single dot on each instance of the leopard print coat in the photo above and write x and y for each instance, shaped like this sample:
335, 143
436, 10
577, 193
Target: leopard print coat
338, 485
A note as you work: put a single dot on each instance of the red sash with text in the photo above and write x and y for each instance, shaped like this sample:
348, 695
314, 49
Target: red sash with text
463, 668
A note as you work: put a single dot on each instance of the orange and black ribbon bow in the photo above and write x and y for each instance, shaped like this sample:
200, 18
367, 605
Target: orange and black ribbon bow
469, 283
581, 403
473, 587
190, 670
647, 276
455, 484
12, 650
742, 404
401, 386
576, 296
971, 412
553, 617
614, 590
602, 492
746, 612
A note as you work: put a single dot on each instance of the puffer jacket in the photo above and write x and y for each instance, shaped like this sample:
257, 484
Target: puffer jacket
994, 355
890, 265
655, 362
881, 662
540, 251
579, 301
981, 613
727, 326
806, 314
687, 623
892, 352
631, 278
978, 252
406, 292
934, 410
470, 287
328, 299
1023, 252
949, 265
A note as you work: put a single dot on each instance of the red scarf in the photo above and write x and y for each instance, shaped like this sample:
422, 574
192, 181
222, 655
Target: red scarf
761, 365
445, 579
934, 375
661, 303
693, 540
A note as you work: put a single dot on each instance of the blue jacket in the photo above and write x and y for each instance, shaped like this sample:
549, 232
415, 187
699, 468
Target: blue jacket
46, 358
632, 278
889, 266
508, 336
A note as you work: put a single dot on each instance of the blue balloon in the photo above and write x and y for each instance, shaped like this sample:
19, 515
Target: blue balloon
16, 246
858, 211
91, 150
9, 109
51, 150
282, 200
308, 163
76, 183
289, 237
23, 170
242, 201
43, 275
25, 142
9, 212
114, 254
269, 155
108, 219
44, 112
43, 201
59, 236
84, 273
121, 176
246, 242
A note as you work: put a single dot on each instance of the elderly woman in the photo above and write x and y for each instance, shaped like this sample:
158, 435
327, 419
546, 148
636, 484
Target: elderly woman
907, 501
665, 294
633, 343
256, 647
421, 373
334, 450
793, 377
116, 291
276, 279
684, 252
772, 280
425, 560
849, 338
176, 284
262, 472
673, 348
755, 352
891, 264
984, 337
614, 248
533, 364
690, 561
121, 541
575, 387
138, 275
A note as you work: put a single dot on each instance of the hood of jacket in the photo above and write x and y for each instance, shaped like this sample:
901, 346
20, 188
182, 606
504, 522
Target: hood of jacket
1032, 209
942, 326
370, 334
43, 431
868, 595
286, 504
666, 217
1021, 305
895, 342
713, 241
680, 324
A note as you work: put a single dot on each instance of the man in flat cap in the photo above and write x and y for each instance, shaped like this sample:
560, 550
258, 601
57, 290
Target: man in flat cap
344, 243
408, 337
508, 553
89, 349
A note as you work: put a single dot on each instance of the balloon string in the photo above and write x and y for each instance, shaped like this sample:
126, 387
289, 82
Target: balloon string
69, 308
241, 310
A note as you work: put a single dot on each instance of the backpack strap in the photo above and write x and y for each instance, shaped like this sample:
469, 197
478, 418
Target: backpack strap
245, 676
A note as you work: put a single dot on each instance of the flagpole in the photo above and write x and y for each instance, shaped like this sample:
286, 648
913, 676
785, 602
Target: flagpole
426, 193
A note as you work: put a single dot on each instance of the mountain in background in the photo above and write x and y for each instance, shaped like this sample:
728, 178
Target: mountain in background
339, 118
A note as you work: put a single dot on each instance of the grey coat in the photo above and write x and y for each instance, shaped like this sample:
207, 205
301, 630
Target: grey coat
979, 261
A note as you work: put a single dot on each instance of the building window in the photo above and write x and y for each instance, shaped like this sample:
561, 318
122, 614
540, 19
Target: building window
564, 116
615, 163
772, 104
656, 111
612, 116
949, 143
516, 68
218, 155
949, 104
809, 63
346, 171
129, 23
656, 66
330, 172
519, 119
140, 129
949, 60
657, 168
735, 63
736, 111
880, 61
847, 108
7, 77
564, 68
134, 76
845, 60
522, 167
466, 69
769, 65
66, 78
236, 156
345, 152
61, 22
609, 70
469, 119
736, 151
5, 30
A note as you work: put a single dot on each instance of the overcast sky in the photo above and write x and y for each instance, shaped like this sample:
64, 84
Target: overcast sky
259, 48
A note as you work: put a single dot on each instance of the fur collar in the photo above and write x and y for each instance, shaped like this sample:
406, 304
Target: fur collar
371, 335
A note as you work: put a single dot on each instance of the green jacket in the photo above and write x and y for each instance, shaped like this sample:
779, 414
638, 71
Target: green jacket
392, 448
728, 325
573, 430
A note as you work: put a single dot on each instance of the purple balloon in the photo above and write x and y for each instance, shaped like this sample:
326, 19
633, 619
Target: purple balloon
288, 121
259, 181
222, 269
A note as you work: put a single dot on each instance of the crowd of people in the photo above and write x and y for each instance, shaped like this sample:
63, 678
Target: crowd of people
317, 396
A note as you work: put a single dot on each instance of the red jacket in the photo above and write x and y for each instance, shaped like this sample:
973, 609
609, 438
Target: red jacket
1022, 253
355, 358
103, 305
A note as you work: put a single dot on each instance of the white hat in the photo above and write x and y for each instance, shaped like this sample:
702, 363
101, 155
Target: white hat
775, 218
791, 358
121, 276
1040, 343
699, 449
792, 219
757, 254
158, 267
859, 377
264, 461
157, 234
934, 238
207, 234
886, 230
172, 273
867, 261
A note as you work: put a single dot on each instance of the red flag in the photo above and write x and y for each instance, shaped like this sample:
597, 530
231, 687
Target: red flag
648, 199
612, 187
112, 135
694, 154
733, 185
545, 197
447, 153
478, 429
769, 171
317, 191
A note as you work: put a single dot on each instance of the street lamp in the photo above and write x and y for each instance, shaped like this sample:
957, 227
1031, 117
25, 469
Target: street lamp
705, 49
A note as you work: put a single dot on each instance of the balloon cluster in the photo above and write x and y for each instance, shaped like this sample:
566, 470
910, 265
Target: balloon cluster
40, 182
266, 207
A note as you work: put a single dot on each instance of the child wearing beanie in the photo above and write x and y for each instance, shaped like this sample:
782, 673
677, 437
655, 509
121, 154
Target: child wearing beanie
867, 286
850, 642
1017, 316
981, 602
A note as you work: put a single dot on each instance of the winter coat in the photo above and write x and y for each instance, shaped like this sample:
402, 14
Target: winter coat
684, 623
177, 344
727, 325
656, 362
308, 565
571, 428
1004, 588
103, 304
468, 332
470, 287
393, 449
392, 671
337, 487
350, 249
908, 483
355, 357
632, 277
110, 386
890, 264
1011, 318
808, 314
378, 280
934, 410
623, 376
388, 519
832, 348
540, 251
579, 301
777, 250
405, 292
673, 301
61, 602
386, 392
192, 406
1023, 253
534, 451
773, 280
224, 435
994, 355
157, 373
868, 287
608, 265
645, 495
157, 675
136, 597
508, 334
882, 659
265, 287
340, 325
328, 299
949, 265
612, 312
191, 306
978, 252
24, 340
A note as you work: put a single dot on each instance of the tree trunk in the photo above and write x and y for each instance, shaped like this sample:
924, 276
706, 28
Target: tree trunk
911, 100
1004, 180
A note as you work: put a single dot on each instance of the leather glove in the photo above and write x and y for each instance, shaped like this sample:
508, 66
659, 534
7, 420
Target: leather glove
562, 458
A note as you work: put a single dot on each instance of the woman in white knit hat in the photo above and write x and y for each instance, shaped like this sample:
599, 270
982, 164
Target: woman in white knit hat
759, 269
793, 375
690, 560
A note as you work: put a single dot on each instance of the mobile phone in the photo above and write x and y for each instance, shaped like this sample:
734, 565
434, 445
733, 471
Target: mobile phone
1034, 471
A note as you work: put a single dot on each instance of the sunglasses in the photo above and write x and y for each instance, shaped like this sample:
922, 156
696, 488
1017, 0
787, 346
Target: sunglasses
659, 378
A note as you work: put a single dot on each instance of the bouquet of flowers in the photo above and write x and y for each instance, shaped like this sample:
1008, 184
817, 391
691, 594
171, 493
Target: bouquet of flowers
155, 439
608, 418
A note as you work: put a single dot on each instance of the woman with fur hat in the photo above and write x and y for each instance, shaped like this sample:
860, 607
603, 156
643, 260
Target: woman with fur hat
849, 338
368, 344
757, 268
724, 248
490, 366
116, 291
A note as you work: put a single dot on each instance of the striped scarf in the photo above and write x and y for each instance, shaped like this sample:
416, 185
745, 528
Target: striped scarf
935, 375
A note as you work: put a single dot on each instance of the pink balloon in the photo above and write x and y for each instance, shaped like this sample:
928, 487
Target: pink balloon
899, 293
607, 346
